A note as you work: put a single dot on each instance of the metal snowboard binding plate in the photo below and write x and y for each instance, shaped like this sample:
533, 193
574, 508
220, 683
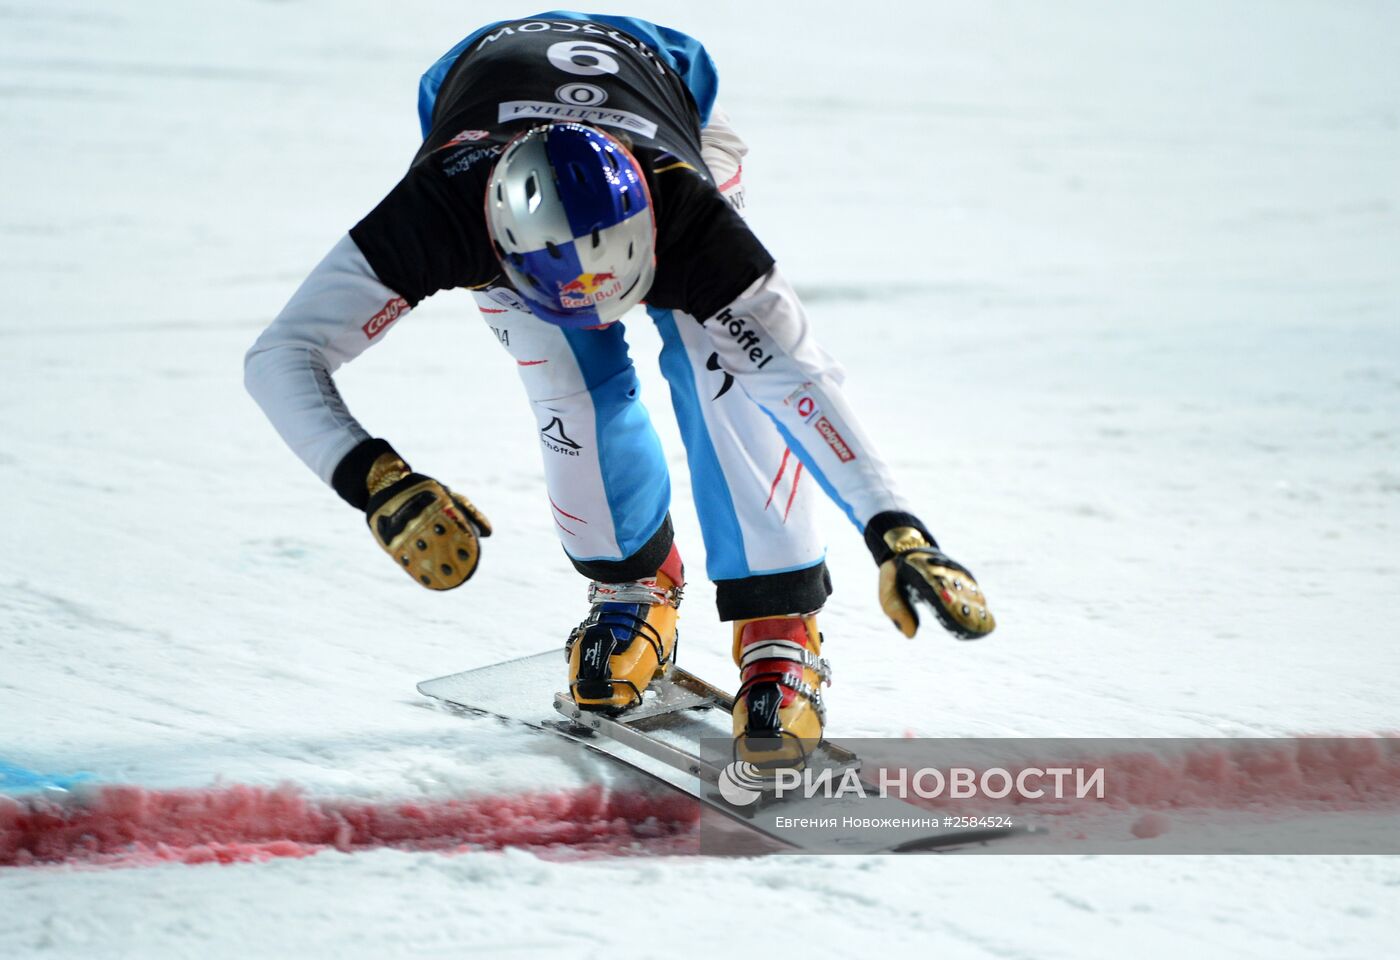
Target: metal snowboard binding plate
680, 734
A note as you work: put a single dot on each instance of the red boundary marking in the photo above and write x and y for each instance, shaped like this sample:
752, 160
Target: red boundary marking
132, 826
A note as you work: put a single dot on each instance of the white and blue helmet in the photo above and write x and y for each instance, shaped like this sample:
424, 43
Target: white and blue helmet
571, 220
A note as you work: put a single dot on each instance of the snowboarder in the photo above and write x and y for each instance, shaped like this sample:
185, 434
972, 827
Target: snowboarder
574, 166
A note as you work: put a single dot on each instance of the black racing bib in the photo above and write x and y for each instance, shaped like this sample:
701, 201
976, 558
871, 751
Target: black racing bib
545, 71
430, 234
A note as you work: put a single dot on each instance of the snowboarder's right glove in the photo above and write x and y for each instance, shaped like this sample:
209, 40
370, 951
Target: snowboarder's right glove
912, 568
431, 532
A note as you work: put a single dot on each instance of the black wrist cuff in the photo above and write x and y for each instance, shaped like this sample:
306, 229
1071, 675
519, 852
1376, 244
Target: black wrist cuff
642, 564
351, 476
883, 523
774, 594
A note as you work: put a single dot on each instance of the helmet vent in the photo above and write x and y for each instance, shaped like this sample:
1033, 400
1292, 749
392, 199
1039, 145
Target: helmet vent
596, 238
626, 202
553, 250
500, 195
512, 236
629, 251
579, 177
532, 193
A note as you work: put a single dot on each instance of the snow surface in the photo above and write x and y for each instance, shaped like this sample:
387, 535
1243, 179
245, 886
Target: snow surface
1116, 284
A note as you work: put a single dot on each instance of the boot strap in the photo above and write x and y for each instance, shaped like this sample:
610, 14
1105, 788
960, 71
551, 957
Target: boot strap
638, 591
786, 650
799, 687
636, 626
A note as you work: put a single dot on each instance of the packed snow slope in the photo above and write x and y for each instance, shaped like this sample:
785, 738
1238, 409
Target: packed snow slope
1116, 285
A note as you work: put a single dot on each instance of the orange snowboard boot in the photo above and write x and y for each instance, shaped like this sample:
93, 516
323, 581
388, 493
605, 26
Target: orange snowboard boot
778, 712
628, 639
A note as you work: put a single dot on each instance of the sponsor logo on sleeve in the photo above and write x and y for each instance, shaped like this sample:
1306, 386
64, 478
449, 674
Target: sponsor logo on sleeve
743, 336
806, 406
804, 403
834, 440
380, 322
466, 136
714, 364
464, 158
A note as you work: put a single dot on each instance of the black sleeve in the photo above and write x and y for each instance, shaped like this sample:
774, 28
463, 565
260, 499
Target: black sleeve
428, 234
706, 256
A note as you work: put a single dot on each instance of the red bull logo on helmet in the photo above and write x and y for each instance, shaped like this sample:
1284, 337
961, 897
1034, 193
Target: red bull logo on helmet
589, 289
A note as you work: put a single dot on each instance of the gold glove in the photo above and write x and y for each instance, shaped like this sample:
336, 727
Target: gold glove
429, 531
919, 571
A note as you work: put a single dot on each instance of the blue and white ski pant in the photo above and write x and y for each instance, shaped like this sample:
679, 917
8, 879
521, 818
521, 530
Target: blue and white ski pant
607, 479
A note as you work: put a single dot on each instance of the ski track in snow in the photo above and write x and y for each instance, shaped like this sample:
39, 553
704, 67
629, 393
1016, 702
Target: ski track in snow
1137, 263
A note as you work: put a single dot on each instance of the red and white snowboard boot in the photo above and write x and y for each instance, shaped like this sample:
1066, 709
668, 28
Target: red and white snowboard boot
627, 640
778, 712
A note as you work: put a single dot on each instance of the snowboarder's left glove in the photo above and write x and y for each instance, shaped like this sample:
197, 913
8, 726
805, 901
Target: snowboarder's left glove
431, 532
912, 568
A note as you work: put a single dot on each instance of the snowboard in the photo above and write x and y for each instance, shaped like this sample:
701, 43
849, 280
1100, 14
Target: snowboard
680, 736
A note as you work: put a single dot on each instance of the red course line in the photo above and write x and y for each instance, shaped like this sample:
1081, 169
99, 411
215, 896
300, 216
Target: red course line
132, 826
